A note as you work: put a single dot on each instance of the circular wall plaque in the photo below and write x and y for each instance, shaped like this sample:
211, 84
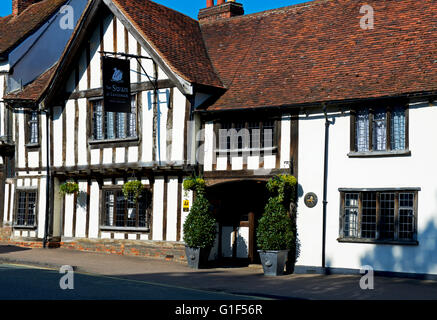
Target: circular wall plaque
311, 200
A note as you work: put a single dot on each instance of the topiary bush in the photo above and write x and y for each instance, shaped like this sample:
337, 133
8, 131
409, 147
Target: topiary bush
200, 225
276, 230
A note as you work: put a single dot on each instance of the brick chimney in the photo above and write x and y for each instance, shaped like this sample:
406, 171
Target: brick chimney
18, 6
222, 10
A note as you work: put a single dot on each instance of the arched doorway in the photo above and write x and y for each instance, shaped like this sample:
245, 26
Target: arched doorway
237, 206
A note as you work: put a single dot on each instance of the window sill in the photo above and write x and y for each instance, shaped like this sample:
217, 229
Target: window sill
379, 154
124, 229
24, 227
372, 241
273, 150
92, 142
32, 146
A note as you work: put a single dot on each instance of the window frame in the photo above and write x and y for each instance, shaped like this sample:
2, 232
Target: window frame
91, 138
28, 131
125, 228
388, 152
239, 152
26, 191
378, 239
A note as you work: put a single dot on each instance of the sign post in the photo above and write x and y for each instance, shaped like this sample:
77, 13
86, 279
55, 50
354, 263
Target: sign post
116, 85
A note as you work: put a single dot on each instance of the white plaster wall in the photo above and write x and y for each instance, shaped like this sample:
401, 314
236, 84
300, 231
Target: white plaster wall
70, 113
21, 142
82, 138
158, 208
57, 136
147, 127
69, 210
42, 207
209, 146
179, 124
93, 231
81, 210
285, 142
345, 172
172, 209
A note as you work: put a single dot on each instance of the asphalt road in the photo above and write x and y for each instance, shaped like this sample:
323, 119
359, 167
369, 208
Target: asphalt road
29, 283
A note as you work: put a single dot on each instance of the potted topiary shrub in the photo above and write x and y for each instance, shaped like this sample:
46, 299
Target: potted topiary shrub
276, 232
199, 226
69, 187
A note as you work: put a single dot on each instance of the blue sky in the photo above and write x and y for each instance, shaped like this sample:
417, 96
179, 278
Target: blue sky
191, 7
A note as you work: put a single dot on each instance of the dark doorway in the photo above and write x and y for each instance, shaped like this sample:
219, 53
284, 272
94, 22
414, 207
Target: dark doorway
237, 207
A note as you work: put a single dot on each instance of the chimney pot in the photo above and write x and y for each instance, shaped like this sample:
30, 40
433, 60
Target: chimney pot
219, 2
209, 3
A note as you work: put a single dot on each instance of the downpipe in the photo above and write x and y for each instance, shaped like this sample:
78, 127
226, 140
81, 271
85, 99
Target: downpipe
325, 185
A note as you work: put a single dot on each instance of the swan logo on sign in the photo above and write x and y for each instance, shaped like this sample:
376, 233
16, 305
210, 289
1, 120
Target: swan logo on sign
117, 75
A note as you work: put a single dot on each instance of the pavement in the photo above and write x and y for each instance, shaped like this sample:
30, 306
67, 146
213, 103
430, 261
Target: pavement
243, 281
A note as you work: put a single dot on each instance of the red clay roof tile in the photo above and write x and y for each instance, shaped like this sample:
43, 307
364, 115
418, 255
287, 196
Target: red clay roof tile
14, 29
317, 51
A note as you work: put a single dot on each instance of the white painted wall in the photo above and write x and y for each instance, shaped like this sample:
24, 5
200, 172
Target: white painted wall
345, 172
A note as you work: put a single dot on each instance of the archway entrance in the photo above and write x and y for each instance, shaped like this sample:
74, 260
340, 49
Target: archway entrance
237, 207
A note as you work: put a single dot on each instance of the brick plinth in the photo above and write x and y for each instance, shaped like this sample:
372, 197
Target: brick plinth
168, 251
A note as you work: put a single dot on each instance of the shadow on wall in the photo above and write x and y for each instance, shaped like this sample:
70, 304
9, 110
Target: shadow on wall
421, 259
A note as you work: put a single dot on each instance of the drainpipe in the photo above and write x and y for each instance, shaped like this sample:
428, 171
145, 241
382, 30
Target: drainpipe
325, 186
46, 222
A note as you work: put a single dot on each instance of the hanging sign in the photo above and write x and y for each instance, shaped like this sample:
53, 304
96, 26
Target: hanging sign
116, 85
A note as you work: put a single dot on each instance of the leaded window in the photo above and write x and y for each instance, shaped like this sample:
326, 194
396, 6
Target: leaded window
25, 215
379, 129
382, 215
114, 125
33, 123
120, 212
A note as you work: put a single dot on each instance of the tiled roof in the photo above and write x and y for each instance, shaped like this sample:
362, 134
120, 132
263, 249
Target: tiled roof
14, 29
176, 37
32, 91
317, 51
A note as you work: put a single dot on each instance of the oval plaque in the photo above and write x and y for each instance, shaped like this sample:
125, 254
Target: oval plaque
311, 200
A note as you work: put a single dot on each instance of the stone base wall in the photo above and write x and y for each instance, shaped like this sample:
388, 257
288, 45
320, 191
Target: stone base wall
169, 251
